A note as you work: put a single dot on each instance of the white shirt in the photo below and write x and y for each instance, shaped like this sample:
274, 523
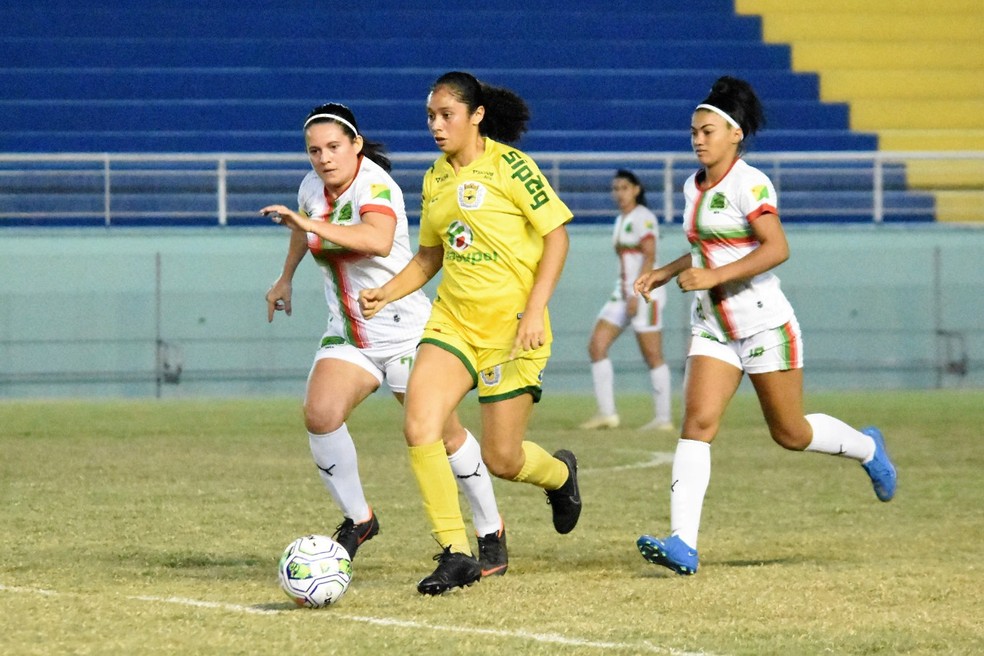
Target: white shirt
630, 231
347, 272
718, 224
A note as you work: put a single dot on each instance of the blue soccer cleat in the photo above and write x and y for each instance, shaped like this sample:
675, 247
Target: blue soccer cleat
880, 468
672, 553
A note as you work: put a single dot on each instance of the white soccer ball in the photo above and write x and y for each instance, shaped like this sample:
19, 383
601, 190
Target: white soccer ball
314, 571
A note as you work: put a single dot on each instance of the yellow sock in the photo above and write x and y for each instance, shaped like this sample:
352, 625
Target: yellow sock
541, 468
440, 493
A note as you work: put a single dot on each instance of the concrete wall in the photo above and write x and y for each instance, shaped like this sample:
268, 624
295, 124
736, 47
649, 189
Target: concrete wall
83, 310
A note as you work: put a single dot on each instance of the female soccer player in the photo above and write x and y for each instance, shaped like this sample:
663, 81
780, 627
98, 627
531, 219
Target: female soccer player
352, 219
741, 322
634, 237
497, 228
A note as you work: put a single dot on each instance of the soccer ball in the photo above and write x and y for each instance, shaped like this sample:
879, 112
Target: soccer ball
314, 571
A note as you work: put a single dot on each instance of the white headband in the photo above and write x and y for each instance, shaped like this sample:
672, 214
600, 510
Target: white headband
720, 112
333, 117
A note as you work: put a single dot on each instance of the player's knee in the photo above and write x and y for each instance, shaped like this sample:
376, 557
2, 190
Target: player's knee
502, 463
794, 437
419, 430
322, 420
703, 428
596, 351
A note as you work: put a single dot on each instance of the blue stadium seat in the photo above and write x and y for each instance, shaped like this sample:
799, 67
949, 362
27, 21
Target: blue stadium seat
183, 76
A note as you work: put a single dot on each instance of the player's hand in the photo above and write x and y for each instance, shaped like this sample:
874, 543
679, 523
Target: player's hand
694, 279
531, 334
285, 216
371, 301
278, 298
650, 281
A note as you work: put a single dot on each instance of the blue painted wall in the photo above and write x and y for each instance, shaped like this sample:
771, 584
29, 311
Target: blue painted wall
80, 313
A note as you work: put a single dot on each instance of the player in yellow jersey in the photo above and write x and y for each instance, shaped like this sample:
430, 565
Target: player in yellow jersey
493, 223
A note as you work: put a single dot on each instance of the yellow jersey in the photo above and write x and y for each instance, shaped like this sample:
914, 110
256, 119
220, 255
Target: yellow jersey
490, 218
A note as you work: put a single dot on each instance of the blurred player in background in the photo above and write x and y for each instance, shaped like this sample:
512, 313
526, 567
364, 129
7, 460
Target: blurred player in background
496, 227
635, 238
741, 322
352, 219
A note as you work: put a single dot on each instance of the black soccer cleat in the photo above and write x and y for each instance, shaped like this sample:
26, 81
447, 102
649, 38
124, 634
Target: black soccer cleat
566, 500
492, 553
454, 570
351, 535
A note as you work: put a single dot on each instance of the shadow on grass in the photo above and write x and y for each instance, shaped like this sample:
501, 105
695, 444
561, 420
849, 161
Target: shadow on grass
208, 561
276, 606
659, 571
758, 562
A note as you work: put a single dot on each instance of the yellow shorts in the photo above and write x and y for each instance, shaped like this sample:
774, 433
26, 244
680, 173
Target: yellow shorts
496, 376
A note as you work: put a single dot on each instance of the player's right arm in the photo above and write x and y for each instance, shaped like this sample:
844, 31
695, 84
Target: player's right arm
659, 277
418, 271
278, 296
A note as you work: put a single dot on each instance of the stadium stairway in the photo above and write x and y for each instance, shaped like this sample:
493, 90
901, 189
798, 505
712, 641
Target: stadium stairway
912, 73
238, 76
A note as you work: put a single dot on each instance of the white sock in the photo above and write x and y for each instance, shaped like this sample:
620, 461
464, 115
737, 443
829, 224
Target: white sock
474, 480
833, 436
660, 378
603, 375
691, 474
338, 465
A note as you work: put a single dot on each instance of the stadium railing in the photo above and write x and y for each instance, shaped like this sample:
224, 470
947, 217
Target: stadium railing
178, 189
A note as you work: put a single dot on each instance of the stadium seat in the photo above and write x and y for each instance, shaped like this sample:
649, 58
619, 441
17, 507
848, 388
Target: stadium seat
912, 72
179, 76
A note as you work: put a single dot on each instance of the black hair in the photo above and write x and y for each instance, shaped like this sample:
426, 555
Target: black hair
737, 99
374, 150
626, 174
506, 113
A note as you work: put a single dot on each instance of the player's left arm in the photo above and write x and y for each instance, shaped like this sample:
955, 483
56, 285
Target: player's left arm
532, 332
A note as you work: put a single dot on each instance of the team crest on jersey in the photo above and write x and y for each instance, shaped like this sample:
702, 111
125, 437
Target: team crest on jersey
459, 236
718, 201
344, 214
470, 195
491, 376
760, 192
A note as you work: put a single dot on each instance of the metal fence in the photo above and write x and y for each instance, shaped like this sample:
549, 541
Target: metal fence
112, 189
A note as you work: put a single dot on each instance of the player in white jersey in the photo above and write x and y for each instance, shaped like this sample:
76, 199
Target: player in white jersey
635, 238
346, 271
353, 220
741, 322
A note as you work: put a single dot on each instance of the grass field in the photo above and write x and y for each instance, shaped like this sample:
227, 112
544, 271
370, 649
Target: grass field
142, 527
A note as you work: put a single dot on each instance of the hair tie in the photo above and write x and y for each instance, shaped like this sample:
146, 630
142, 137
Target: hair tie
334, 117
720, 112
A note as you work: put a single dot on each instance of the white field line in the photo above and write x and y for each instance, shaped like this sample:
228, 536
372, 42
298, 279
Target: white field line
656, 459
334, 615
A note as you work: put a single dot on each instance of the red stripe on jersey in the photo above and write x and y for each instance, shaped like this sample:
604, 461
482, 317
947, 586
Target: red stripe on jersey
793, 344
379, 209
350, 306
762, 209
693, 235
